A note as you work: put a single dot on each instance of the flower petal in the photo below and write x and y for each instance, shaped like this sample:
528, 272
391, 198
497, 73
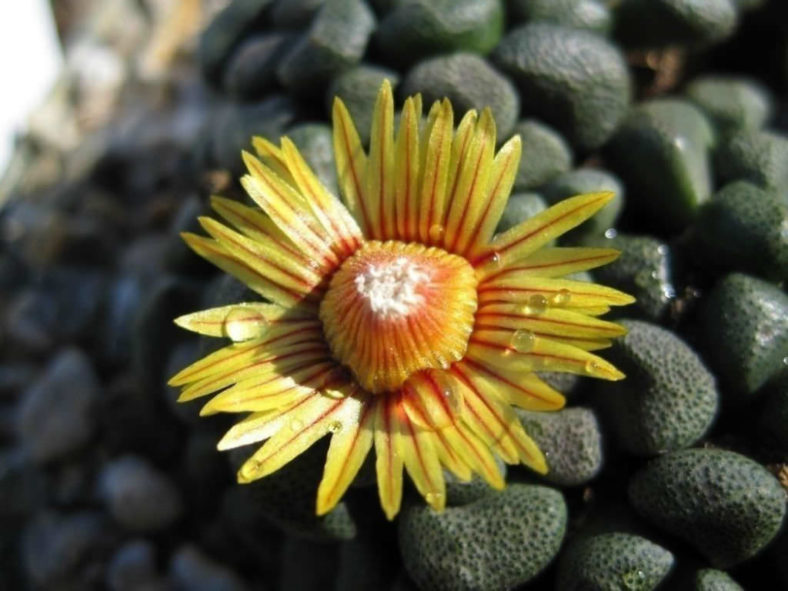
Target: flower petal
379, 175
406, 169
346, 454
436, 155
299, 428
513, 287
515, 386
530, 235
388, 463
558, 261
351, 161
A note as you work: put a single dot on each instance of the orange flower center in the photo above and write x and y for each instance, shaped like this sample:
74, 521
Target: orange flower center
393, 309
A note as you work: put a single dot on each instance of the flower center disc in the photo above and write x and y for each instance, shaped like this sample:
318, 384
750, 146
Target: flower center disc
394, 308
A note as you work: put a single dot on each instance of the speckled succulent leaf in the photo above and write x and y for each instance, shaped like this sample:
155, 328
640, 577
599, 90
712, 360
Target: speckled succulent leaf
394, 320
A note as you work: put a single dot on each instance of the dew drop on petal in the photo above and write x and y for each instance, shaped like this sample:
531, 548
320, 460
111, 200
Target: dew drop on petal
296, 424
249, 469
537, 304
243, 324
335, 426
562, 297
523, 340
496, 259
592, 366
436, 232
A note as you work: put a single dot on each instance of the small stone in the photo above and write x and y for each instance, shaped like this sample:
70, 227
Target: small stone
731, 103
139, 497
236, 124
545, 154
743, 228
724, 504
658, 23
570, 439
573, 80
294, 14
744, 333
192, 569
644, 269
22, 486
502, 540
224, 33
251, 71
54, 546
520, 207
56, 414
358, 88
591, 15
613, 561
662, 152
469, 82
133, 567
710, 579
669, 399
335, 42
413, 30
760, 157
582, 181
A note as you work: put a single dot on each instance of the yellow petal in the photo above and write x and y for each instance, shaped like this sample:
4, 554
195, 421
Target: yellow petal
525, 238
558, 261
436, 156
544, 292
515, 386
406, 170
351, 164
379, 176
299, 428
349, 447
388, 462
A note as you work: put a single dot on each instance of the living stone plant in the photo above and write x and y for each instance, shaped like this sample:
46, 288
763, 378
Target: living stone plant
673, 113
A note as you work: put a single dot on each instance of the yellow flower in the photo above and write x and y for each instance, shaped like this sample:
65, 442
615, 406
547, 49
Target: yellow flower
397, 320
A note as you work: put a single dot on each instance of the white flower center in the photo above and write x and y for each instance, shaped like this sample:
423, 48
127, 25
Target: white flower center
391, 289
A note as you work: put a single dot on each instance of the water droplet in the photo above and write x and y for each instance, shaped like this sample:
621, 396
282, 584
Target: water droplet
434, 498
562, 297
611, 233
592, 366
249, 469
335, 426
244, 323
436, 232
523, 340
537, 304
496, 259
296, 425
785, 360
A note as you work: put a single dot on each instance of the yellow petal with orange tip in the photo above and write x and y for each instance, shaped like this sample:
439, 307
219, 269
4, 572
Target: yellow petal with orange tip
530, 235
